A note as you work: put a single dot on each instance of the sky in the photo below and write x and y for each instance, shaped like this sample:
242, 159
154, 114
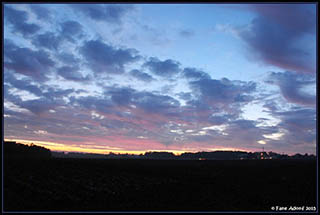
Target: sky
130, 78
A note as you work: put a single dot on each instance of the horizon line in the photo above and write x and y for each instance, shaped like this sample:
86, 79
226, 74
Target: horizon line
54, 148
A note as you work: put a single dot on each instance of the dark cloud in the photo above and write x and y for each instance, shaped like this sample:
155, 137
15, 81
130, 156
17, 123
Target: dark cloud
47, 40
22, 84
142, 76
154, 103
300, 124
291, 85
104, 12
101, 104
18, 19
35, 64
71, 30
50, 98
275, 33
42, 13
244, 124
298, 18
195, 74
38, 106
103, 58
121, 96
56, 94
184, 96
9, 96
67, 58
146, 101
72, 73
167, 68
222, 92
186, 33
219, 120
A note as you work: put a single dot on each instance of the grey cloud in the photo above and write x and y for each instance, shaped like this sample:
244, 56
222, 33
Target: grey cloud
121, 96
111, 13
150, 102
103, 58
71, 30
147, 101
56, 94
41, 12
184, 96
186, 33
18, 19
21, 84
222, 91
72, 73
50, 99
93, 103
219, 120
38, 106
290, 85
274, 33
300, 124
67, 58
141, 75
47, 40
35, 64
167, 68
195, 74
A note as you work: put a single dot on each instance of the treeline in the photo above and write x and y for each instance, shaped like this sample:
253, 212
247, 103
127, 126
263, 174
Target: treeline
13, 150
215, 155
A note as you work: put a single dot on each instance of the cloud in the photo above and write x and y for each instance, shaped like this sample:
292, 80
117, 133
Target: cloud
21, 84
42, 13
38, 106
291, 85
110, 13
35, 64
154, 103
299, 126
101, 104
222, 93
18, 20
276, 33
71, 30
121, 96
67, 58
167, 68
47, 40
186, 33
103, 58
142, 76
195, 74
50, 99
72, 73
146, 101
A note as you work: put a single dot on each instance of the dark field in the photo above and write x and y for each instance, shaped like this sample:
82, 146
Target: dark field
157, 185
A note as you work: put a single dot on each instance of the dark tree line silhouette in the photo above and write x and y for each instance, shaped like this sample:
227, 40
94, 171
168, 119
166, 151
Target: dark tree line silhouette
13, 150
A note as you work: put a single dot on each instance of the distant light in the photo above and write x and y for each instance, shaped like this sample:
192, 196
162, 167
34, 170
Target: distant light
40, 132
262, 142
274, 136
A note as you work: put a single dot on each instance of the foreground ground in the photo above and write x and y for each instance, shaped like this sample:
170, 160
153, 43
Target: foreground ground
155, 185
